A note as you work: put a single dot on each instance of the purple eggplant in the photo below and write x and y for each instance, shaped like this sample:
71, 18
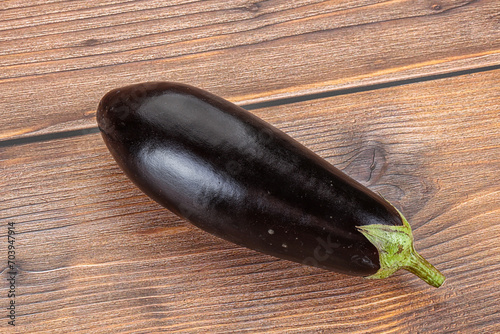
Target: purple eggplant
239, 178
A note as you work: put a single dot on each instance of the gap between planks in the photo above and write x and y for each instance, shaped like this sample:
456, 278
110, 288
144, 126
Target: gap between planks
266, 104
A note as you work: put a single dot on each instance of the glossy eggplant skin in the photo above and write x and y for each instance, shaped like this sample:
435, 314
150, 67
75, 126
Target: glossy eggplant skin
237, 177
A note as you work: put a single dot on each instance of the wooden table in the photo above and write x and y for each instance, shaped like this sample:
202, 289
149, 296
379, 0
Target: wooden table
404, 96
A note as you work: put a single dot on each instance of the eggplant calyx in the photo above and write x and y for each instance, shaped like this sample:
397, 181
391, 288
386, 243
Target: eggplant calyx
396, 251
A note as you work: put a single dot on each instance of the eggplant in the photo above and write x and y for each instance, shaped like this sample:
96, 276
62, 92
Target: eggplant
237, 177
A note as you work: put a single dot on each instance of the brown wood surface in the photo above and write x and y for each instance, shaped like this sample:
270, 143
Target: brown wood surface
95, 255
57, 59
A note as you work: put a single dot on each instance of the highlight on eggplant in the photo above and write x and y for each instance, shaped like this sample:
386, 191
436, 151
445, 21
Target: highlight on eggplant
236, 176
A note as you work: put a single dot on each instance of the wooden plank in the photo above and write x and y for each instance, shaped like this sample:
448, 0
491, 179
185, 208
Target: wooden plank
58, 58
93, 254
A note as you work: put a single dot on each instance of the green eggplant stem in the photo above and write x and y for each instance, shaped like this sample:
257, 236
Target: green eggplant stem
396, 251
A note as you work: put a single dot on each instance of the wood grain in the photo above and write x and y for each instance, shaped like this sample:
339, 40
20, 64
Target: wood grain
96, 255
57, 58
